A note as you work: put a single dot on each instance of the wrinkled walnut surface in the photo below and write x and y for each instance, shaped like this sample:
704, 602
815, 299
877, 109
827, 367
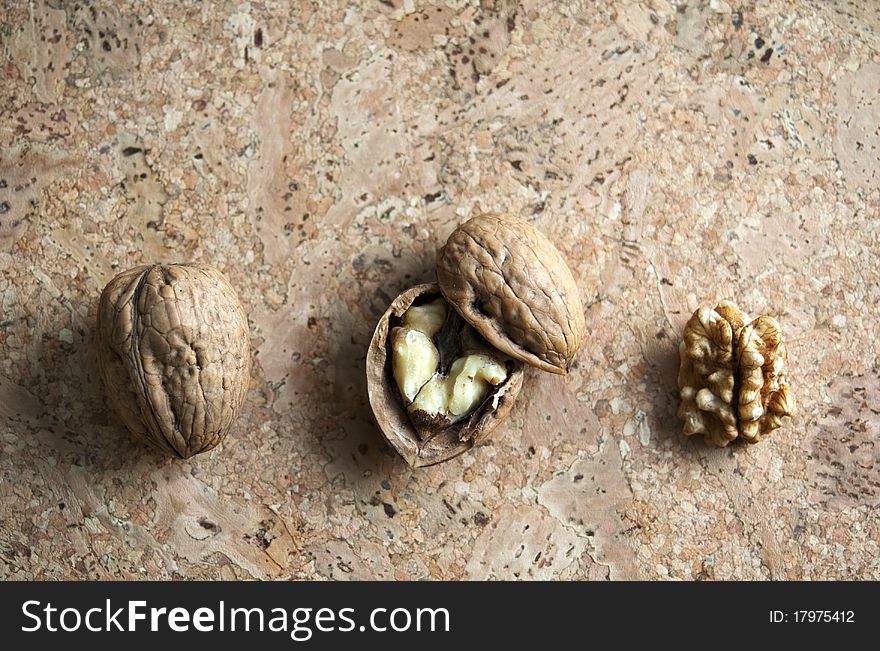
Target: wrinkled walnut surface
732, 376
174, 354
389, 407
512, 284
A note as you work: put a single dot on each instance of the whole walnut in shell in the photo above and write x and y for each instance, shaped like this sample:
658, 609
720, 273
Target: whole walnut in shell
445, 364
174, 355
732, 377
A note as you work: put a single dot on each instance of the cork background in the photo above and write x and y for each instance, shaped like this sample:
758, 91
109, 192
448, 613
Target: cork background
319, 153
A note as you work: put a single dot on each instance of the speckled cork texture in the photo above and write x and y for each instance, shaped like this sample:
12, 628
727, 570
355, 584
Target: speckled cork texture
318, 155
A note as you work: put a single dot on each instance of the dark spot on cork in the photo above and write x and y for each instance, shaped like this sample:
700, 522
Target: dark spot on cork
205, 523
737, 19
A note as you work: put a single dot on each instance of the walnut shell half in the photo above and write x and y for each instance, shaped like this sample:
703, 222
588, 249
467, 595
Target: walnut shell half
391, 414
732, 377
174, 355
507, 280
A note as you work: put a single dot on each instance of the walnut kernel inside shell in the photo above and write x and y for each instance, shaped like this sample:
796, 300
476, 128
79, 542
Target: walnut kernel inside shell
435, 398
438, 395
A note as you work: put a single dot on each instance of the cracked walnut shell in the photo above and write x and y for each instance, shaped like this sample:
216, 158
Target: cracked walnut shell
174, 355
445, 364
408, 435
732, 377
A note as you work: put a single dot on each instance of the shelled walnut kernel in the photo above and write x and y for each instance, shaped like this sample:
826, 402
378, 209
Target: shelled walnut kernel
732, 377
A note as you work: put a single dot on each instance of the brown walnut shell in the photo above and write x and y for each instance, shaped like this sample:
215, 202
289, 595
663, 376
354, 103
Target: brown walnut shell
509, 282
174, 355
391, 414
